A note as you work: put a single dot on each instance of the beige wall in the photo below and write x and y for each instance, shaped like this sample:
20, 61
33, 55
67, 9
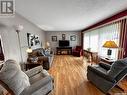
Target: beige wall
10, 38
59, 37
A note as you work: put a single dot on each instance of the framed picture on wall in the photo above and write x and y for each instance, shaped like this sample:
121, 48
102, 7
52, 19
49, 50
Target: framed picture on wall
54, 38
73, 38
33, 40
63, 37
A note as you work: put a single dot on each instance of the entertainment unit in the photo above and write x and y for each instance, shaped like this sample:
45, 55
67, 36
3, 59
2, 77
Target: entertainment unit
64, 50
64, 47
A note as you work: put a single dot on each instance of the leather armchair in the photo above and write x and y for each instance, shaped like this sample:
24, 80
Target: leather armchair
77, 51
105, 76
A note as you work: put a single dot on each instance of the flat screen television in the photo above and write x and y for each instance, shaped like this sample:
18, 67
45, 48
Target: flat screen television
64, 43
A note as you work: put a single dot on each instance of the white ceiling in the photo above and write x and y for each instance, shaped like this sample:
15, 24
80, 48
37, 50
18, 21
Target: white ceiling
68, 15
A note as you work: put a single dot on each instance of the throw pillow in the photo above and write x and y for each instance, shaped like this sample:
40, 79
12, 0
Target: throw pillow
12, 75
117, 67
47, 52
34, 59
43, 52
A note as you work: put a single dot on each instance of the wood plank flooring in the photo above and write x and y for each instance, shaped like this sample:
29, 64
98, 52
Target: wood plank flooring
69, 75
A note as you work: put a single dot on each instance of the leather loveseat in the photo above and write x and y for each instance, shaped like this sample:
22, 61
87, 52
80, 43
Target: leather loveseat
42, 57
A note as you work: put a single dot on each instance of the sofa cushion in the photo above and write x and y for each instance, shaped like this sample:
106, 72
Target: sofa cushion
12, 75
117, 67
97, 67
42, 52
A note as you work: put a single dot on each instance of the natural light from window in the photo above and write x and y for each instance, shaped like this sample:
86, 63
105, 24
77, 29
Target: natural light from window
94, 39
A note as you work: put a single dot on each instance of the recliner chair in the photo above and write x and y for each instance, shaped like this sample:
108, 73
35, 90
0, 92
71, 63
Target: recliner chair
35, 81
77, 51
105, 76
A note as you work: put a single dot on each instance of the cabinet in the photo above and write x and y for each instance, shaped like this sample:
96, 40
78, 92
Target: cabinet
64, 50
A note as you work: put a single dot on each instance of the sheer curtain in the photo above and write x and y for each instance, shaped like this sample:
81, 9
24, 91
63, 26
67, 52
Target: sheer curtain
109, 32
91, 40
86, 40
95, 39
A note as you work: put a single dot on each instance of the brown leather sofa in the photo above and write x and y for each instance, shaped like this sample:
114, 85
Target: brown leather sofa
37, 57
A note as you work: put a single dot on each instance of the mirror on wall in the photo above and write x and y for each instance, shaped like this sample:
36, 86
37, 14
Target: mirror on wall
1, 51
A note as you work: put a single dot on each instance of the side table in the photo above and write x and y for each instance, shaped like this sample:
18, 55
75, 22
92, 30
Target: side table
105, 60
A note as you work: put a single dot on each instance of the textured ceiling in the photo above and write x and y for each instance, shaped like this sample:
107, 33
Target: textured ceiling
68, 15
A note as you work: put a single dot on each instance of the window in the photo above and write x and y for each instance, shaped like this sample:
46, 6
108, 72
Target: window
86, 40
95, 39
91, 40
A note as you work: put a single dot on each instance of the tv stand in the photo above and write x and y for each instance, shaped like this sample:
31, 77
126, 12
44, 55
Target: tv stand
64, 50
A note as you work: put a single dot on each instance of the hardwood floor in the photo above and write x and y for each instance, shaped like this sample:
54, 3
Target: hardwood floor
69, 75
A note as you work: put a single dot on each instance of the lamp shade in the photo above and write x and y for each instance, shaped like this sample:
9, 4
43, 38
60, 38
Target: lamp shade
110, 44
19, 27
48, 44
29, 50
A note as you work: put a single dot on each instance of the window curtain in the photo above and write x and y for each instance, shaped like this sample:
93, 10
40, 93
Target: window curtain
116, 31
123, 39
91, 40
95, 39
86, 40
109, 32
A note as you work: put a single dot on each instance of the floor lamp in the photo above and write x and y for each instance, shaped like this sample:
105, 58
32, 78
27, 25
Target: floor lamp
18, 30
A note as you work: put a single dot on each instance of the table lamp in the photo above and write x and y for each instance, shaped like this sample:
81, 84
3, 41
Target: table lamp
47, 45
29, 50
109, 45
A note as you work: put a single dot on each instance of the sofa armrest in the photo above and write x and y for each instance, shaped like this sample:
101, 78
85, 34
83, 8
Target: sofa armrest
105, 66
100, 73
29, 60
36, 86
44, 58
34, 71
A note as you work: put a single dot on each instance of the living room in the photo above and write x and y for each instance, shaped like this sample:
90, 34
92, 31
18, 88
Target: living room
64, 44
